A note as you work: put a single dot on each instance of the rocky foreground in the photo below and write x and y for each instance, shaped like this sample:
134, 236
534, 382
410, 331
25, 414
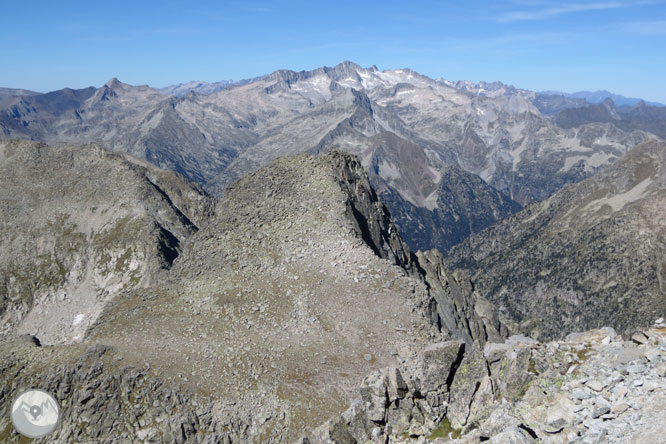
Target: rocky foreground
293, 311
260, 329
592, 387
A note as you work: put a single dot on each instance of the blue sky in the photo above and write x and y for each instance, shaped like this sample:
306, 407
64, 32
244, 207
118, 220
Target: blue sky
579, 45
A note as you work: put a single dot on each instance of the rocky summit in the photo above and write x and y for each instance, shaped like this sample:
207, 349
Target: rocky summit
275, 307
590, 387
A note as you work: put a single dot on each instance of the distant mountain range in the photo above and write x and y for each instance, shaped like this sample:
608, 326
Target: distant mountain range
419, 138
9, 92
639, 117
195, 86
198, 87
485, 88
600, 96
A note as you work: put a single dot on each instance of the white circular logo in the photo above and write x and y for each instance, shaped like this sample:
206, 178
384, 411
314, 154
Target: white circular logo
35, 413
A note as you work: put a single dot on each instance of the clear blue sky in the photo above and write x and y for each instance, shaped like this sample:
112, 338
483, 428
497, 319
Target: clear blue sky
564, 45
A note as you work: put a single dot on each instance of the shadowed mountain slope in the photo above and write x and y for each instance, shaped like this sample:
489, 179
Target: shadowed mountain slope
78, 225
590, 255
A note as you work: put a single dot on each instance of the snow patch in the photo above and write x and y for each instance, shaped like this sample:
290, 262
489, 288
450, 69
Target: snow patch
591, 162
430, 202
349, 83
388, 171
315, 89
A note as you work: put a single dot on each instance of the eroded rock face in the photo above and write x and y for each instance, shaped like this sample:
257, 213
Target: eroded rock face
471, 389
456, 307
373, 221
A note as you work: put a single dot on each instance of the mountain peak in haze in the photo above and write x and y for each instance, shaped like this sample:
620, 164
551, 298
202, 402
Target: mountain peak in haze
9, 92
600, 95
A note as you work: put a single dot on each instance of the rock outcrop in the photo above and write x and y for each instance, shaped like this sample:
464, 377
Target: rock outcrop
591, 387
456, 306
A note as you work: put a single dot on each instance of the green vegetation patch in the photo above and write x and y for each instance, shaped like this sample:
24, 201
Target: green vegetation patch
583, 353
6, 435
445, 430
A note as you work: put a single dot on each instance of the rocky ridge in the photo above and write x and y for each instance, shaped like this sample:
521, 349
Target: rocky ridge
297, 287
